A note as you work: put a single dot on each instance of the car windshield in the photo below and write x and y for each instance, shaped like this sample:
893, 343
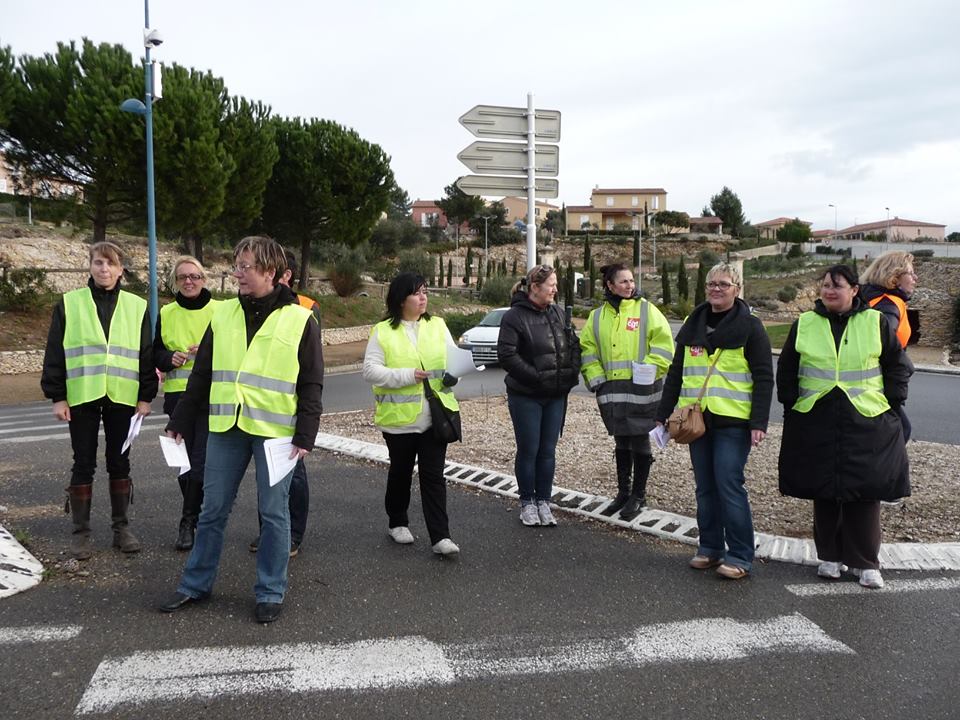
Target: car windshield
492, 318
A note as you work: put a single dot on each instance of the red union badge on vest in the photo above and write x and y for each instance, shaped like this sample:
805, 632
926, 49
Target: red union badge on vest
696, 351
633, 323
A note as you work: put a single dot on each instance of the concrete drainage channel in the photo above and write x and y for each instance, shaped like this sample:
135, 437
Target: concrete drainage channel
893, 556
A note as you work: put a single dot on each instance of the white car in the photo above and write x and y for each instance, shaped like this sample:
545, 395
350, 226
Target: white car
481, 339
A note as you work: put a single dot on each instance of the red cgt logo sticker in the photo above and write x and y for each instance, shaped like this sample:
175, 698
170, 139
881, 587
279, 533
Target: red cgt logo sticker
696, 351
633, 323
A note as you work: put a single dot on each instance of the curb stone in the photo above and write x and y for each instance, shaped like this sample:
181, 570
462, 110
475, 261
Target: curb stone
19, 570
662, 524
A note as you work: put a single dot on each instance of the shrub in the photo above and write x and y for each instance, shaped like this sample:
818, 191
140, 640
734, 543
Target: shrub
415, 260
682, 309
795, 251
926, 253
21, 288
496, 290
787, 293
708, 258
458, 324
383, 269
344, 272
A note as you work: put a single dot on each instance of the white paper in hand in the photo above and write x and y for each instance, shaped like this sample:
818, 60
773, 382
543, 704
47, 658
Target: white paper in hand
175, 455
279, 462
460, 362
659, 436
135, 422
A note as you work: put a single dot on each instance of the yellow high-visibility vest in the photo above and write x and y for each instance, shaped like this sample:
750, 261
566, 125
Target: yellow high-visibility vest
181, 329
99, 365
730, 386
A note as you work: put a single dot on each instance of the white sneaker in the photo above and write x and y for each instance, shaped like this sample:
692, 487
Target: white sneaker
529, 515
401, 535
869, 578
446, 547
546, 517
831, 570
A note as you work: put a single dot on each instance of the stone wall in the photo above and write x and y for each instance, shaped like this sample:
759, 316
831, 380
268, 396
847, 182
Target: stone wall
938, 285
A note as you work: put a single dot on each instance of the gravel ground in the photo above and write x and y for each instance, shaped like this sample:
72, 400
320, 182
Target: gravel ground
585, 463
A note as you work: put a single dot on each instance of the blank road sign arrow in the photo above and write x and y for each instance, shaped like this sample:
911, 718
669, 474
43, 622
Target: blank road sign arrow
494, 121
495, 186
500, 158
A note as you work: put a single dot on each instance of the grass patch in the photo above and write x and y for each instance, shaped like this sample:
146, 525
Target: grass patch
778, 334
22, 536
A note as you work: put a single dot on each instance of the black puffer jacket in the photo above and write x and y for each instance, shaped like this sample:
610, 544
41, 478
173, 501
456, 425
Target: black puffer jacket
539, 353
833, 452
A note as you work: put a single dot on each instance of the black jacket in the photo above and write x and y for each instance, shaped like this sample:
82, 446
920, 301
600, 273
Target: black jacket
736, 328
891, 311
539, 353
833, 452
309, 382
53, 381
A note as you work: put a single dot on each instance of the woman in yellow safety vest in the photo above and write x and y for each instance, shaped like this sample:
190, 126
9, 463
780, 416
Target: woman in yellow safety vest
723, 351
841, 375
626, 347
180, 327
887, 285
98, 367
407, 347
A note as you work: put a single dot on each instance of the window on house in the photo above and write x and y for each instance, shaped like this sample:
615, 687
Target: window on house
635, 201
609, 202
635, 225
584, 220
609, 223
3, 185
536, 211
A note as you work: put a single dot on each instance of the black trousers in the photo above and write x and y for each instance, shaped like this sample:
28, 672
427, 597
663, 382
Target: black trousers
191, 482
84, 431
848, 532
430, 455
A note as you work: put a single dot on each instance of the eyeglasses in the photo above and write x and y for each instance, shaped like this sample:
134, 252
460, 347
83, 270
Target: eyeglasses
719, 285
190, 276
243, 269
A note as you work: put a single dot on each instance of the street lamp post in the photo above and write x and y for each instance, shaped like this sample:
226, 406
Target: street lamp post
151, 39
887, 238
486, 252
834, 221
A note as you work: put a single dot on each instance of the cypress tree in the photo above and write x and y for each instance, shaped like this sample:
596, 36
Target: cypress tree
514, 271
636, 248
468, 266
440, 271
700, 294
665, 282
480, 274
449, 271
683, 291
586, 253
570, 285
594, 276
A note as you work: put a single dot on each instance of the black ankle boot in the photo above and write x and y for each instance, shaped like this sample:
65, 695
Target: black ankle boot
188, 526
624, 460
638, 496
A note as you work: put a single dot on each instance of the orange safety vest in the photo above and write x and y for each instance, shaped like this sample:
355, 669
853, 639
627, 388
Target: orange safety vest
307, 302
903, 329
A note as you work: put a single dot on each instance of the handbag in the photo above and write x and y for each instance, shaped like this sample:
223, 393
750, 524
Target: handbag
446, 422
686, 424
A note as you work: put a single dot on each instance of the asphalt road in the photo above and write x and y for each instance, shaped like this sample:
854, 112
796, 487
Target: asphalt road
576, 621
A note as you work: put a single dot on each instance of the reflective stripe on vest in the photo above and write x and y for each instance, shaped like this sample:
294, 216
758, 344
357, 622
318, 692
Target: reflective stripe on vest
255, 386
730, 386
397, 407
855, 369
903, 328
181, 329
99, 366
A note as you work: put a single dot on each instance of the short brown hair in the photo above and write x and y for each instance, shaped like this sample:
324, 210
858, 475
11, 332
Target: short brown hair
886, 270
107, 249
267, 253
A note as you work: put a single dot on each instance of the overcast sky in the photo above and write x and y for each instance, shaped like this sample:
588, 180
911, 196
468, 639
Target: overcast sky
794, 105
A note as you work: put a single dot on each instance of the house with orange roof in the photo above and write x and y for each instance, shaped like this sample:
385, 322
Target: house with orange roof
517, 210
896, 229
612, 207
768, 229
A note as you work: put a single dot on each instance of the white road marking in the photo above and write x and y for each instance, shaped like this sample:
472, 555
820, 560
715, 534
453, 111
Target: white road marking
150, 421
38, 633
198, 673
853, 587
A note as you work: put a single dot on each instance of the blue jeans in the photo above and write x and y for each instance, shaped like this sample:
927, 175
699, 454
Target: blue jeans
536, 427
228, 455
723, 509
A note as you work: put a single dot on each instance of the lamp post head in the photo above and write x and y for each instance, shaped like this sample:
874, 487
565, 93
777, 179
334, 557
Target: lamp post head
132, 105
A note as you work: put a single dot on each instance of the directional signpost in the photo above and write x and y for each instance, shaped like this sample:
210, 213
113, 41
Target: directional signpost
509, 168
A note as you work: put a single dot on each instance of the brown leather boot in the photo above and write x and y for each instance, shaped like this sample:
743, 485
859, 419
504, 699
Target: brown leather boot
78, 503
121, 492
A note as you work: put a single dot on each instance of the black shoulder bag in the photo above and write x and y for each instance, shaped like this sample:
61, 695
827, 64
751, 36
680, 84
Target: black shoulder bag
446, 422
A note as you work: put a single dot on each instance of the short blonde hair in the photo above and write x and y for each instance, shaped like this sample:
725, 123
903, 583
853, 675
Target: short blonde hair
725, 269
267, 253
536, 275
886, 270
180, 261
107, 249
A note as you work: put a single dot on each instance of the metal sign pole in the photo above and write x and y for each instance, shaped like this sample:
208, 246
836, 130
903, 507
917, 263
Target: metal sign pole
531, 184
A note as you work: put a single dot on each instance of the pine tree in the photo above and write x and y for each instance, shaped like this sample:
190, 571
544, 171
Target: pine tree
665, 282
700, 293
683, 291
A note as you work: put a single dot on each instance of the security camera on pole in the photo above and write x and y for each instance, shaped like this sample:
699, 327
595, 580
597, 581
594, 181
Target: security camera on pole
513, 159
